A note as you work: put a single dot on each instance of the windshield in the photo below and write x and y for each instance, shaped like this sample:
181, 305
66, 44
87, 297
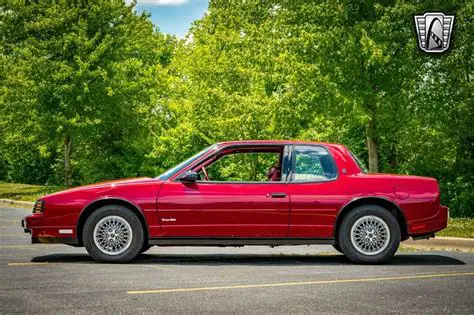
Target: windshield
182, 165
361, 165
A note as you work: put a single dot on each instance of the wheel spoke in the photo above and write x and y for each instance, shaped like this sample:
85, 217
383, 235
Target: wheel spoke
370, 235
113, 235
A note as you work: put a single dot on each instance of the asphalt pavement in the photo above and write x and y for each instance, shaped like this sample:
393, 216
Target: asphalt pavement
301, 279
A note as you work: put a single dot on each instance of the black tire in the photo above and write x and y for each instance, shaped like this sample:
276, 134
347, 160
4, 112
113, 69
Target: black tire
357, 255
145, 248
338, 248
136, 243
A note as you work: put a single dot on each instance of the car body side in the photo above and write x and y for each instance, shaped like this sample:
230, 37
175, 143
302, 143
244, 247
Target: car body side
311, 210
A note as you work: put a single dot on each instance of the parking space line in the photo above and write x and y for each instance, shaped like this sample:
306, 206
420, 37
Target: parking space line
21, 264
17, 246
10, 224
284, 284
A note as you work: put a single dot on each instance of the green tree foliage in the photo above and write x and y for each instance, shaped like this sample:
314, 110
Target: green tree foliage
79, 82
130, 101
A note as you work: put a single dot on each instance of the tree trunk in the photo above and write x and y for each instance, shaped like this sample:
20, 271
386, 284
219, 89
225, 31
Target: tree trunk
372, 147
67, 162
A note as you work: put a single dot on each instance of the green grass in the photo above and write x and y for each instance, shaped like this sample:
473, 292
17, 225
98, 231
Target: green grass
25, 192
407, 248
457, 227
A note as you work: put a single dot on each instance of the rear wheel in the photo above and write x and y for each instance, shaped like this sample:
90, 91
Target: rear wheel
113, 234
145, 248
369, 234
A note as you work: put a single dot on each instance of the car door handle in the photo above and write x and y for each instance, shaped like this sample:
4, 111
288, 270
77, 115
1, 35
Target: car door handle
278, 195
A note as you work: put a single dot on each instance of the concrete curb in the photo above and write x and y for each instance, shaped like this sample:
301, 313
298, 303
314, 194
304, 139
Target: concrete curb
26, 204
441, 242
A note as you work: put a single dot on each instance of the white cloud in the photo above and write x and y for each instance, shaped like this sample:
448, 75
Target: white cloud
162, 2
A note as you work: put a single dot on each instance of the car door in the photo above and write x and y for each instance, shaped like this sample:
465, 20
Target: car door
316, 192
224, 209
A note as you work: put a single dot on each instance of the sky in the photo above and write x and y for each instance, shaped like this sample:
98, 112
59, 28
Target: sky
173, 16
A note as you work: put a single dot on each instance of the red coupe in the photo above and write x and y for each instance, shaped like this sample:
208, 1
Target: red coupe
247, 193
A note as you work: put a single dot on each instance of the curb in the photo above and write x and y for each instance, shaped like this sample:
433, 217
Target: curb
441, 242
26, 204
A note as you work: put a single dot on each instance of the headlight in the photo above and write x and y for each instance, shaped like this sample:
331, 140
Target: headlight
39, 206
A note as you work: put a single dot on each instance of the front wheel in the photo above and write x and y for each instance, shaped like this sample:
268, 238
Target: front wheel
338, 248
369, 234
113, 234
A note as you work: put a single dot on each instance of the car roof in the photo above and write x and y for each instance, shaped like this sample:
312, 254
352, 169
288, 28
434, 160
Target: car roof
275, 142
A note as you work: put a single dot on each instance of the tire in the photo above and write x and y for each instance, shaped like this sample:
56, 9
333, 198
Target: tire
369, 222
338, 248
145, 248
126, 233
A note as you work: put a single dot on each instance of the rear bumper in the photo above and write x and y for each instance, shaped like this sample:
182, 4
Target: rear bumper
42, 233
430, 225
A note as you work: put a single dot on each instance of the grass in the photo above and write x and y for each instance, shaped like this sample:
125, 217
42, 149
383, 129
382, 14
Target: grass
25, 192
408, 248
457, 227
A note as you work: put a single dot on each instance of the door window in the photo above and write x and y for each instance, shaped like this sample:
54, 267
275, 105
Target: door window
245, 165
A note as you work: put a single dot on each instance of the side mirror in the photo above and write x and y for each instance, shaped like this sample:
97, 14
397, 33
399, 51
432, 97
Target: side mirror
188, 177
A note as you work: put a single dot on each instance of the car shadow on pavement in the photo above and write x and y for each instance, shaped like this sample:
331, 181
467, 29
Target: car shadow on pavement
254, 259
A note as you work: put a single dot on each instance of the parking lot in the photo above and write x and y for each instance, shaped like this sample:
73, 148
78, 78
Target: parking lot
302, 279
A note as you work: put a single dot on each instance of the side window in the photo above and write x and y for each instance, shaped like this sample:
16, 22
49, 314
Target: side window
312, 163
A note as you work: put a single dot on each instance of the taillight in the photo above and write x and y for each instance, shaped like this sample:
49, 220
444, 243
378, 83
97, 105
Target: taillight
39, 206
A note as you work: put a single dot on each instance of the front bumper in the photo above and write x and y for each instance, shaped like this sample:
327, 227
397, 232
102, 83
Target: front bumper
41, 232
24, 226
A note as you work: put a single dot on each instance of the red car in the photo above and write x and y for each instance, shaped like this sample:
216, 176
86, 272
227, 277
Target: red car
247, 193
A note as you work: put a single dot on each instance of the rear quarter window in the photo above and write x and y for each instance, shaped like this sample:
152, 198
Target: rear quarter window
359, 163
312, 163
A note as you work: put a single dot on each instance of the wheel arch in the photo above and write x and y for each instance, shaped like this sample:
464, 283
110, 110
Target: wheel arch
93, 206
373, 200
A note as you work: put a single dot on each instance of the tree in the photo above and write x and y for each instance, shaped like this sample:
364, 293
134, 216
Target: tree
268, 65
80, 78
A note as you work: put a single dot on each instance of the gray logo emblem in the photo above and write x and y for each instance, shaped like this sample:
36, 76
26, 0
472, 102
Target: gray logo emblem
434, 31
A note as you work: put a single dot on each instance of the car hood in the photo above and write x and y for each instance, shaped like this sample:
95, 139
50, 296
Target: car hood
106, 184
